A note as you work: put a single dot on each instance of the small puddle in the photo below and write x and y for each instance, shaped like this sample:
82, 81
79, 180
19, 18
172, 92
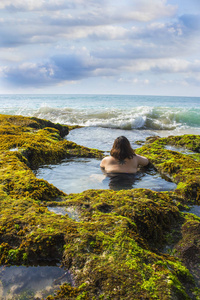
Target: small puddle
195, 209
70, 211
179, 149
20, 282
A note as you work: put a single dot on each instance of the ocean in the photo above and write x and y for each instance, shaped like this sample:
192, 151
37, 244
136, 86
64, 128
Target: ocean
103, 118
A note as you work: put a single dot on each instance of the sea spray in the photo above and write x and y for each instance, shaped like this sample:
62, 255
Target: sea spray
109, 111
138, 118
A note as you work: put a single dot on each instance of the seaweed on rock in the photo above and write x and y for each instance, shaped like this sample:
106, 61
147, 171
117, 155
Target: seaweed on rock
181, 168
115, 251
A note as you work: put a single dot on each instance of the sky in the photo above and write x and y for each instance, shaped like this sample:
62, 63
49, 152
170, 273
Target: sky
143, 47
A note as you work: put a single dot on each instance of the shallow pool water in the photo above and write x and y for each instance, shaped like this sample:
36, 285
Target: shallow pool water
80, 174
20, 282
179, 149
103, 138
195, 210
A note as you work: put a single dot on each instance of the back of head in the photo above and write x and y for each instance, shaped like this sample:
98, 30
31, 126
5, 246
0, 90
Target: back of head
122, 149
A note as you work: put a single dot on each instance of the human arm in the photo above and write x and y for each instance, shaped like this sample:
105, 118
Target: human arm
142, 161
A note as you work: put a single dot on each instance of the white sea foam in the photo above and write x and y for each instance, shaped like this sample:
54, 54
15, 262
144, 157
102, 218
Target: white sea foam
137, 118
108, 111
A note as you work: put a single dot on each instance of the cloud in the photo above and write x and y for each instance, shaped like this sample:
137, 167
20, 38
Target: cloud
135, 81
109, 33
166, 66
93, 11
71, 67
191, 22
55, 70
91, 20
36, 5
177, 66
81, 64
168, 37
47, 5
107, 13
145, 10
118, 39
28, 74
138, 51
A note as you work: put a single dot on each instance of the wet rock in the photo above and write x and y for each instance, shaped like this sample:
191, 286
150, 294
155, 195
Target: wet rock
115, 250
181, 168
188, 247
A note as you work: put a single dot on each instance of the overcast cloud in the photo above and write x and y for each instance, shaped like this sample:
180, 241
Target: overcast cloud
98, 46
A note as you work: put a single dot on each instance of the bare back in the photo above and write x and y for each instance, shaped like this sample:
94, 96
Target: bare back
113, 165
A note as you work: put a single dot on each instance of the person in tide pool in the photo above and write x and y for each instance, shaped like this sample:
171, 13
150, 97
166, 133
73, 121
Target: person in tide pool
122, 158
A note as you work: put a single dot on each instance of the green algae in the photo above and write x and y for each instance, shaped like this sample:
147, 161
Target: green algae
110, 250
39, 141
115, 250
181, 168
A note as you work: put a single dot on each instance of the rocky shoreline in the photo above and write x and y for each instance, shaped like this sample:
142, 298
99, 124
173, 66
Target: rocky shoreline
117, 248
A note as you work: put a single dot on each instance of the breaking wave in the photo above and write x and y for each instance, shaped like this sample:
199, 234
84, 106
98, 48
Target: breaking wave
143, 117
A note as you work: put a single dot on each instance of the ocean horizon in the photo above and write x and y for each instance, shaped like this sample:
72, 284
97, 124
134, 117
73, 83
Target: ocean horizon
104, 117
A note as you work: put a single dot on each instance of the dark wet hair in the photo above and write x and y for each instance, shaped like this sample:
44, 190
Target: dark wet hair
122, 149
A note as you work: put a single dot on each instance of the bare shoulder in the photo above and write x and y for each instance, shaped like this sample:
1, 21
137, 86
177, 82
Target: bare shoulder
143, 161
105, 161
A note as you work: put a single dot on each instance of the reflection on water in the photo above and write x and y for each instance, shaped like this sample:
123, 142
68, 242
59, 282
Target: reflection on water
20, 282
121, 181
80, 174
148, 179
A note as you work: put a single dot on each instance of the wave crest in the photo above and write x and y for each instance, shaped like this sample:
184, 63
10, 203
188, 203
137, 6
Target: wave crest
135, 118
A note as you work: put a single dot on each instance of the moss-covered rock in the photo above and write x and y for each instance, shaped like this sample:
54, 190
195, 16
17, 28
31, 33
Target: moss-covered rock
188, 247
115, 249
181, 168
